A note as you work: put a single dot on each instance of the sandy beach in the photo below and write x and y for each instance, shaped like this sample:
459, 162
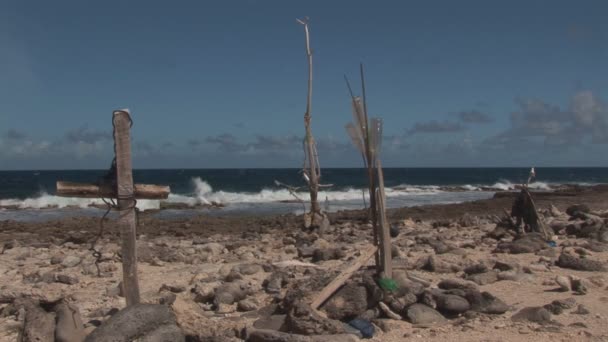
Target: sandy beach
190, 264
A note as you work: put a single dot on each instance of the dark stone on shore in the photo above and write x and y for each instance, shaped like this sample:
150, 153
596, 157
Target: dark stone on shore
452, 304
394, 231
141, 321
538, 315
529, 243
275, 282
484, 278
302, 319
456, 283
347, 303
507, 266
573, 209
434, 264
327, 254
579, 286
569, 261
498, 233
485, 302
558, 306
581, 310
476, 268
422, 314
39, 325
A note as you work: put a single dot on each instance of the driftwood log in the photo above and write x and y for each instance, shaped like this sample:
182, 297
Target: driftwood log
89, 190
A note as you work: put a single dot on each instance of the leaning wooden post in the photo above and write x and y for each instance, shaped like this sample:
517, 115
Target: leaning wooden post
126, 203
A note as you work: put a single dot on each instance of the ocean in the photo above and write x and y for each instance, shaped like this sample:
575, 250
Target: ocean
29, 195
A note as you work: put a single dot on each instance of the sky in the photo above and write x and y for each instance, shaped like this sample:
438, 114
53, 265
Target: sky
222, 84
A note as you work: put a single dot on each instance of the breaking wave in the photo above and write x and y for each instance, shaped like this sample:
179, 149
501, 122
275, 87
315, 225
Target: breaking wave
202, 194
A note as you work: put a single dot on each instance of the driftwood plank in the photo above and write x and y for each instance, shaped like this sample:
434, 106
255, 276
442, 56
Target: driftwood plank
343, 277
89, 190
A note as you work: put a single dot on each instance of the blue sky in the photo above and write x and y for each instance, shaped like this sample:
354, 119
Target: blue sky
223, 83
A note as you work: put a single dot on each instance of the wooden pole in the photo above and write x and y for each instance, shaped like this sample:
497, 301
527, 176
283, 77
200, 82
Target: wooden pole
126, 203
313, 183
385, 237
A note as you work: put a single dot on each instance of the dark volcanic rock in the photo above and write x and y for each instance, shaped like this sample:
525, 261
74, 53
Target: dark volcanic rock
573, 209
484, 278
456, 283
327, 254
529, 243
136, 321
485, 302
422, 314
349, 302
558, 306
302, 319
532, 314
451, 304
476, 268
569, 261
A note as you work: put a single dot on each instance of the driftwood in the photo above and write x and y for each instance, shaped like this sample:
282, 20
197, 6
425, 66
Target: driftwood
89, 190
346, 273
126, 203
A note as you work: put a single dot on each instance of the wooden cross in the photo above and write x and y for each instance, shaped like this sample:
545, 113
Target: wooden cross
126, 193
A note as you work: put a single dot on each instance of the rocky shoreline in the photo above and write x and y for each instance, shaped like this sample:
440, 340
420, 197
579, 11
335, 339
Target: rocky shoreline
460, 274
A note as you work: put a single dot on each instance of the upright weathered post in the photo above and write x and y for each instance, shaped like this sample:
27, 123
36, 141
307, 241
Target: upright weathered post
126, 204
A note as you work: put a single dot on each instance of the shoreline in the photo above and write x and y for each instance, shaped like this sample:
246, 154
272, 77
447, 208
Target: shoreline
188, 263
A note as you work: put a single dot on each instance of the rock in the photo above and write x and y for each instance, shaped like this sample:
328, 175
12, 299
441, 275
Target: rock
573, 209
476, 269
302, 319
434, 264
452, 304
347, 303
388, 312
563, 282
406, 284
38, 325
57, 259
515, 276
70, 261
485, 302
275, 282
578, 285
538, 315
581, 310
247, 269
69, 326
507, 266
274, 322
498, 233
456, 283
394, 231
569, 261
213, 248
387, 324
229, 294
468, 220
529, 243
164, 333
246, 305
203, 293
306, 251
136, 321
166, 298
484, 278
259, 335
422, 314
327, 254
173, 288
558, 306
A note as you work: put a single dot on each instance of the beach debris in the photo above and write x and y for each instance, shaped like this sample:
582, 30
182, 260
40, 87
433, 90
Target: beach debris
364, 326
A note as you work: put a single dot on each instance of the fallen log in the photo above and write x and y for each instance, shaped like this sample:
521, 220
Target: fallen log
89, 190
346, 273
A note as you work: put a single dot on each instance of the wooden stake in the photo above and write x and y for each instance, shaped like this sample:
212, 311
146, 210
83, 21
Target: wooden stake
126, 204
386, 257
343, 277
